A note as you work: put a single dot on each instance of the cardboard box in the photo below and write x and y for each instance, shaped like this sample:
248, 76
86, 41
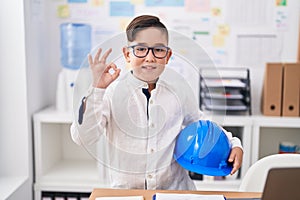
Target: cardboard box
291, 90
272, 89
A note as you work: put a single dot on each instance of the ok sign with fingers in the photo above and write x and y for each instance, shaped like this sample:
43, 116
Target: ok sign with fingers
102, 77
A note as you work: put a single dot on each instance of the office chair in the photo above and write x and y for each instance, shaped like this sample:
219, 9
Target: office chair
255, 177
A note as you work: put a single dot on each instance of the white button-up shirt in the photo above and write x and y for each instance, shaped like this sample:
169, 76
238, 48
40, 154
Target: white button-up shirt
136, 137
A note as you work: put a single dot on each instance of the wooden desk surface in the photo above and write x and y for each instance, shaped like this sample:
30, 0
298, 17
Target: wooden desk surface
98, 192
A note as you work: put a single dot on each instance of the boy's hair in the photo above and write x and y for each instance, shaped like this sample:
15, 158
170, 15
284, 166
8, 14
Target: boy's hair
142, 22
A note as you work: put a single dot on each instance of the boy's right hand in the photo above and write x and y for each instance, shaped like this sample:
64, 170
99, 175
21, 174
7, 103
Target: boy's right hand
102, 76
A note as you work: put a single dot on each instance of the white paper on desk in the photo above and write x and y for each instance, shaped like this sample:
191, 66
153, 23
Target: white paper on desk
174, 196
121, 198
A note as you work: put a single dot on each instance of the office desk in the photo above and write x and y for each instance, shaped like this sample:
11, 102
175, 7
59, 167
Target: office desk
149, 193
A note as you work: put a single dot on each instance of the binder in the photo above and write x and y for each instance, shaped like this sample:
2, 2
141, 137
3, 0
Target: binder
291, 90
272, 89
299, 46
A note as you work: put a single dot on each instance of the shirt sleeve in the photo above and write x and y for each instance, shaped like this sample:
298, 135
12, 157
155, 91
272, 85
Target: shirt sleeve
92, 117
235, 141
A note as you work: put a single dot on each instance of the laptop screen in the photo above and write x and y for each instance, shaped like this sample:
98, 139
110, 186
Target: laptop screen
282, 183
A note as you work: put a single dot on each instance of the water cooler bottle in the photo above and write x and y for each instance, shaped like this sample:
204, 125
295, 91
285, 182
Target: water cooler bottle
75, 44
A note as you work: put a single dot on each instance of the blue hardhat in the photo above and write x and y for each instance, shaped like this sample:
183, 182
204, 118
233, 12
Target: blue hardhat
203, 147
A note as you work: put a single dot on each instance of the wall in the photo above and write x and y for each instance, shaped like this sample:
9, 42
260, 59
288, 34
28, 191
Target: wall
233, 33
15, 137
25, 86
13, 89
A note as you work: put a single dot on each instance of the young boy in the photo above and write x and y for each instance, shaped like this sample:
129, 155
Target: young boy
141, 114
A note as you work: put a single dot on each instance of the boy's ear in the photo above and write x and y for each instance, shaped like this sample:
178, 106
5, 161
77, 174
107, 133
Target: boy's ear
126, 54
169, 56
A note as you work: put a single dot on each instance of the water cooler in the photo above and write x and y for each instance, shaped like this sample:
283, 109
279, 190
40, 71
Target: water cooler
75, 44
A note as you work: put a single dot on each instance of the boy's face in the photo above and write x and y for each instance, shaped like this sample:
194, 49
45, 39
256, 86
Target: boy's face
148, 68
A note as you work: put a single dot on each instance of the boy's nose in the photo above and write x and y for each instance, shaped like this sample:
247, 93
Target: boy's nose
150, 57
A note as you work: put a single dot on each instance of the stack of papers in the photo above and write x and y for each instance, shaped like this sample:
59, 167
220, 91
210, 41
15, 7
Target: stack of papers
215, 95
236, 105
236, 83
174, 196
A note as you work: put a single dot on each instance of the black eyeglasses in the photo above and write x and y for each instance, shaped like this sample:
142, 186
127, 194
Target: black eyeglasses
141, 51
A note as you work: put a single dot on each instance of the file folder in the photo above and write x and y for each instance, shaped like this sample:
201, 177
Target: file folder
272, 89
291, 90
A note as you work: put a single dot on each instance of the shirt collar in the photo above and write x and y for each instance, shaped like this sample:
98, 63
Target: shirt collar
135, 82
142, 84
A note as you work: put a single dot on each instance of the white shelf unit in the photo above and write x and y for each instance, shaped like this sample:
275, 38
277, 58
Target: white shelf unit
60, 164
268, 132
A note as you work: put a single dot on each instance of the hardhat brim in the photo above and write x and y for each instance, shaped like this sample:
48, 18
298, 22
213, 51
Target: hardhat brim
224, 171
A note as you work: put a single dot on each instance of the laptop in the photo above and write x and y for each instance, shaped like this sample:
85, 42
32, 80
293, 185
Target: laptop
281, 184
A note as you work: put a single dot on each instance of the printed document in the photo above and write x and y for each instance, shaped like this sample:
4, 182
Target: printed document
174, 196
121, 198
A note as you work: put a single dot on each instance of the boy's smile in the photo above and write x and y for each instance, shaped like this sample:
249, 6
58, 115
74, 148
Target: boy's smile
149, 67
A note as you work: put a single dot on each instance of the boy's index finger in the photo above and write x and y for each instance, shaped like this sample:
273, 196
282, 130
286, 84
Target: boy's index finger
105, 55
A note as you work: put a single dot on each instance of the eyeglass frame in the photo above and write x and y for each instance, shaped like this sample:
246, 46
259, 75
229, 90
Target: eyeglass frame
149, 48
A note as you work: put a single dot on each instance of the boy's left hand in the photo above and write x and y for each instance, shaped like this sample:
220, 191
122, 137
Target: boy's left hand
236, 157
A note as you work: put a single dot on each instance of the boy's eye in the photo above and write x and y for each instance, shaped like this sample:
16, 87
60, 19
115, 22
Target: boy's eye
159, 49
139, 48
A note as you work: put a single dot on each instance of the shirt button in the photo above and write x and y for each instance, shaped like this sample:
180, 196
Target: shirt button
151, 101
152, 125
149, 176
152, 150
